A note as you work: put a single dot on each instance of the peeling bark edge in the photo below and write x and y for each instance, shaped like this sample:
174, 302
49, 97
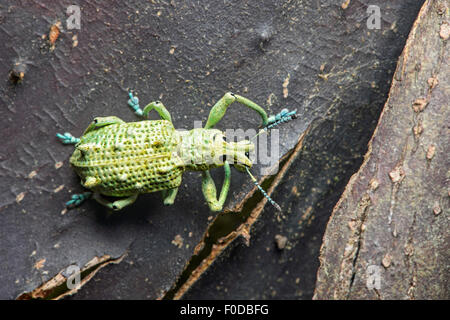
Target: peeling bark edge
244, 229
47, 289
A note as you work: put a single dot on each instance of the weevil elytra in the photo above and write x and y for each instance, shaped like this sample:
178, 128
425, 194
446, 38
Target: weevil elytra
122, 160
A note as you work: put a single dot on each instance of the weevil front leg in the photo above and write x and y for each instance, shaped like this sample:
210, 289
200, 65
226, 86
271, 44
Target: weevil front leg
221, 106
115, 205
219, 109
210, 191
133, 102
169, 196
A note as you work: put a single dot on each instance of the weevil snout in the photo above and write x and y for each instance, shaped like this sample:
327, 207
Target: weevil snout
238, 154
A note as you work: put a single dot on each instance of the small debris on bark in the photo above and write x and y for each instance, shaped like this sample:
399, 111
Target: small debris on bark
53, 35
445, 31
431, 151
178, 241
39, 264
397, 174
419, 105
20, 197
437, 209
280, 241
387, 259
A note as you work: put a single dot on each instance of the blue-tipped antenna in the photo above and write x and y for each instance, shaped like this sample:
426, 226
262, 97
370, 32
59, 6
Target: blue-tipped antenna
284, 116
263, 191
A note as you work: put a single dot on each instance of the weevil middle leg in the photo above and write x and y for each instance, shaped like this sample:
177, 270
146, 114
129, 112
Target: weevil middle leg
133, 102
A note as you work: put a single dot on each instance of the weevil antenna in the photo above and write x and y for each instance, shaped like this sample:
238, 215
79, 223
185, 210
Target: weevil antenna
263, 191
284, 116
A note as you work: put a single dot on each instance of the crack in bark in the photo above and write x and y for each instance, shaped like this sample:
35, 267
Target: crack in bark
352, 249
397, 175
409, 252
56, 288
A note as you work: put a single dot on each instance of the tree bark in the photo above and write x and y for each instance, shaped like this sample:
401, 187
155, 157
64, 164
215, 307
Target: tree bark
388, 234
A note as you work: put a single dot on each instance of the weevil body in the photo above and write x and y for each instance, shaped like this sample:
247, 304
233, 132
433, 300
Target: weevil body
122, 160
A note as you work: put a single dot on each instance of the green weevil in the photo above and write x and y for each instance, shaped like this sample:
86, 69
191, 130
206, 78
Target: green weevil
117, 159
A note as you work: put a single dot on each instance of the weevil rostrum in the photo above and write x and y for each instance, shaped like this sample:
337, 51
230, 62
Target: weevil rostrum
121, 160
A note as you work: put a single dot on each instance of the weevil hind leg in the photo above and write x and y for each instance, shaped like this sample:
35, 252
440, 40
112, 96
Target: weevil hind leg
115, 205
210, 191
169, 196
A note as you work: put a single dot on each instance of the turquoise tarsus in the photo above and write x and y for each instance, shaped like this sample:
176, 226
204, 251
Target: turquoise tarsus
78, 199
67, 138
133, 102
284, 116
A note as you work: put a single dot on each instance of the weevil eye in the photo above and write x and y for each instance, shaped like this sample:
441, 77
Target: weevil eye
247, 154
115, 207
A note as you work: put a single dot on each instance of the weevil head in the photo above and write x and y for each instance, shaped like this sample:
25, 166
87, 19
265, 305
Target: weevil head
202, 149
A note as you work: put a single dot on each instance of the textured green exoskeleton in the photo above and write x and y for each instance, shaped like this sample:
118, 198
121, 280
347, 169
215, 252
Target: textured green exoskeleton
122, 160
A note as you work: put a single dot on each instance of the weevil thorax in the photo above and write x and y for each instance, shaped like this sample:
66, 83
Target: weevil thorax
203, 149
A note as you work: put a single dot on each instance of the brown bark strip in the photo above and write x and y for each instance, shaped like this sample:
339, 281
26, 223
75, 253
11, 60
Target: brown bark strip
48, 288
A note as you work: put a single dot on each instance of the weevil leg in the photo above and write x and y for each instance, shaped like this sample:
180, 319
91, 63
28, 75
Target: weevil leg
118, 204
169, 196
133, 102
160, 108
210, 192
98, 122
67, 138
78, 199
102, 122
219, 109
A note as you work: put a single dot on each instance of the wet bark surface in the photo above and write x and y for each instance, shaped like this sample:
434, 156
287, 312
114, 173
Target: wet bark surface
388, 235
318, 57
